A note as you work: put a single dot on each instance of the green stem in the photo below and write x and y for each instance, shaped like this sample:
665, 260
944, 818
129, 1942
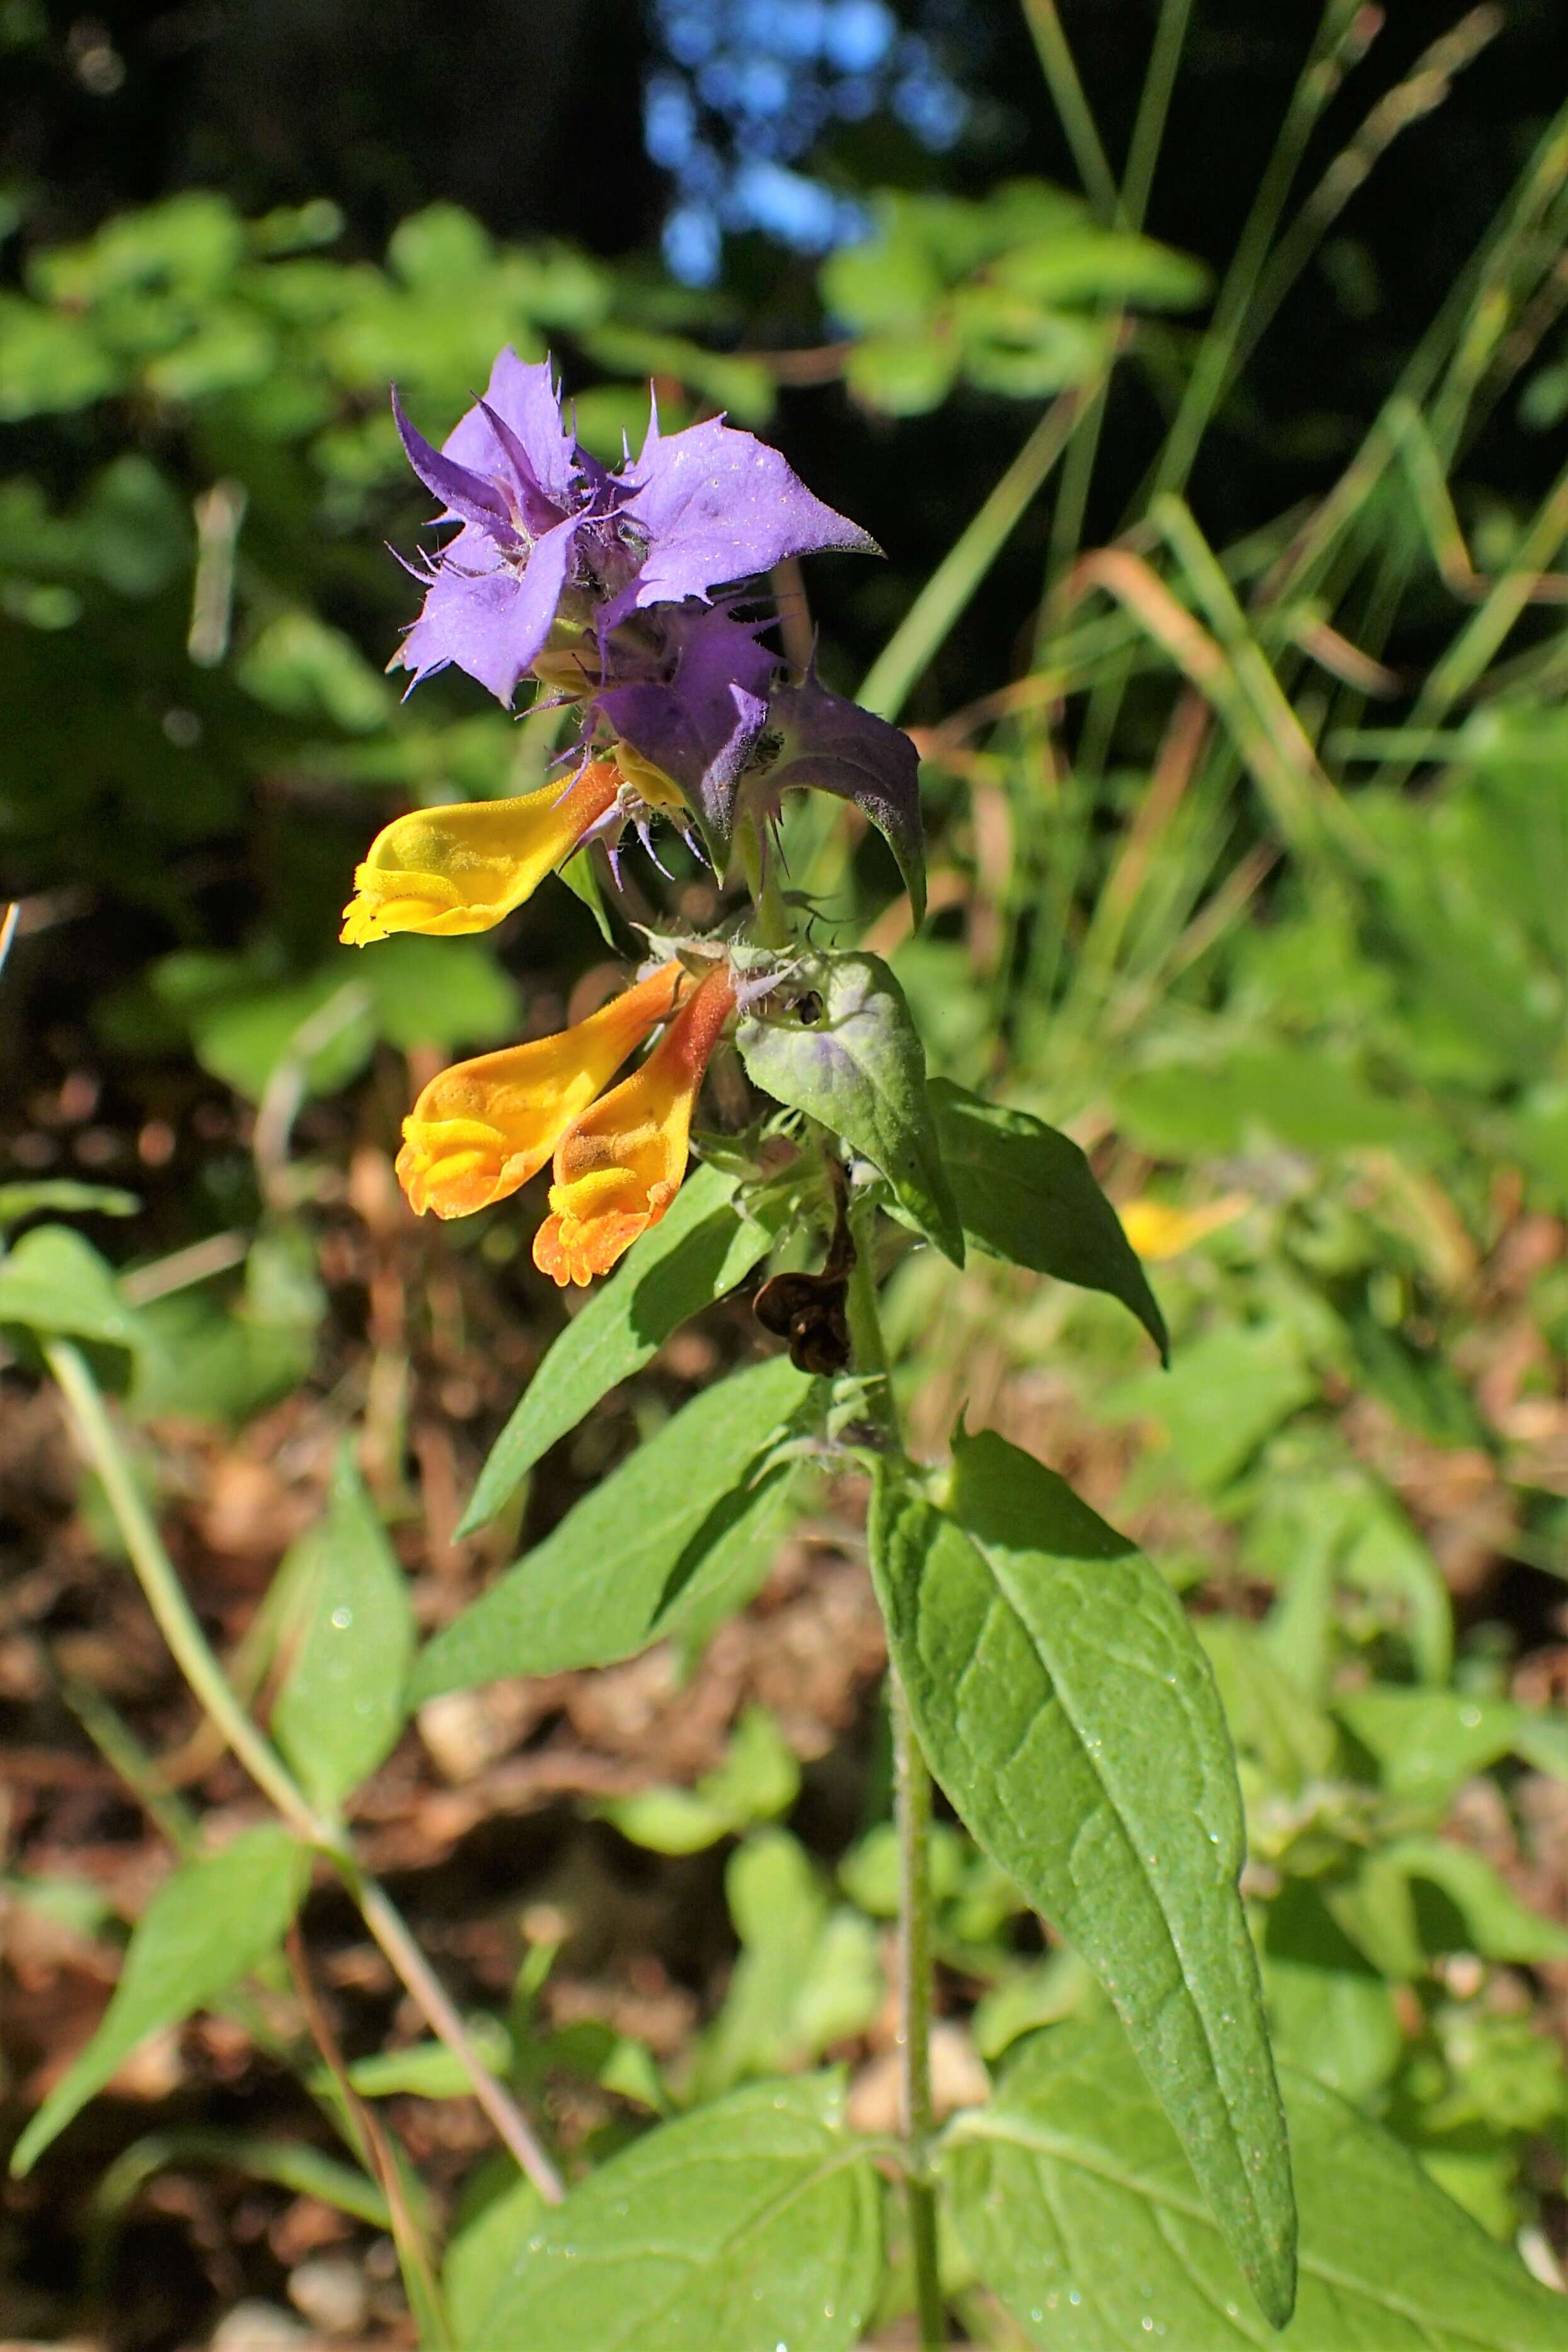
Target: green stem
178, 1624
1339, 33
165, 1596
912, 1808
912, 1814
1154, 108
1060, 71
923, 629
1128, 209
773, 927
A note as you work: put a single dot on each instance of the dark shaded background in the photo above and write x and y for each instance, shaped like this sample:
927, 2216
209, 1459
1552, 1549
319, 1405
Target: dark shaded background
528, 112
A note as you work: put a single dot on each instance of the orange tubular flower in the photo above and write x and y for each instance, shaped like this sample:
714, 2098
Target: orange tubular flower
620, 1167
483, 1128
450, 870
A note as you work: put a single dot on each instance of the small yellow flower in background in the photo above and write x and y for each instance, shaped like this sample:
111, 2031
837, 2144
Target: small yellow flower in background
1156, 1230
483, 1128
450, 870
620, 1167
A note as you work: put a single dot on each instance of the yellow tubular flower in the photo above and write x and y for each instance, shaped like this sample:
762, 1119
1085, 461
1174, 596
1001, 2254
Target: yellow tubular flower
483, 1128
450, 870
620, 1167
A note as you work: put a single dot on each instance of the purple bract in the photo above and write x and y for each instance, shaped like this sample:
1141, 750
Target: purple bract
546, 527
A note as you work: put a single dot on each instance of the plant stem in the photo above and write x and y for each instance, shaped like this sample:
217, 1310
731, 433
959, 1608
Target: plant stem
377, 2157
760, 865
165, 1595
391, 1932
178, 1624
912, 1807
1060, 71
911, 1811
923, 629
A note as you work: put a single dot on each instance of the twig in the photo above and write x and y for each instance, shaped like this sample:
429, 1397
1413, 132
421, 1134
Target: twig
912, 1807
177, 1622
375, 2151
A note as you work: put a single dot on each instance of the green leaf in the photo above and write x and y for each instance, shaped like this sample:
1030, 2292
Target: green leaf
580, 876
1230, 1389
66, 1194
1422, 1896
49, 362
752, 2224
889, 281
425, 2069
1068, 1713
289, 2164
1096, 265
341, 1708
74, 1904
1330, 2011
206, 1926
1426, 1741
640, 1555
902, 373
303, 669
244, 1024
1271, 1717
1028, 1193
1078, 2207
860, 1069
700, 1249
807, 1975
53, 1282
1387, 1556
757, 1780
477, 2256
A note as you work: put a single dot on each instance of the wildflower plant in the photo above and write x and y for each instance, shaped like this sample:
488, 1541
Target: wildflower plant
1040, 1667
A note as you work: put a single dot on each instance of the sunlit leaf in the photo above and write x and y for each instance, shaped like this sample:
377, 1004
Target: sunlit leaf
702, 1249
1067, 1710
638, 1556
341, 1708
1079, 2208
859, 1069
754, 2223
206, 1927
1028, 1193
54, 1283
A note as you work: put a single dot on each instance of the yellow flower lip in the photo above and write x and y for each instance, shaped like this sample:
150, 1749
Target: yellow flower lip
462, 868
619, 1165
481, 1128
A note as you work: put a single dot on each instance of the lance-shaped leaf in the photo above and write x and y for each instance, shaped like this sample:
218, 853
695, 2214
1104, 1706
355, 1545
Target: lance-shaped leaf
858, 1065
341, 1709
644, 1554
206, 1926
1028, 1193
702, 1249
828, 745
1070, 1716
54, 1283
1077, 2207
754, 2223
